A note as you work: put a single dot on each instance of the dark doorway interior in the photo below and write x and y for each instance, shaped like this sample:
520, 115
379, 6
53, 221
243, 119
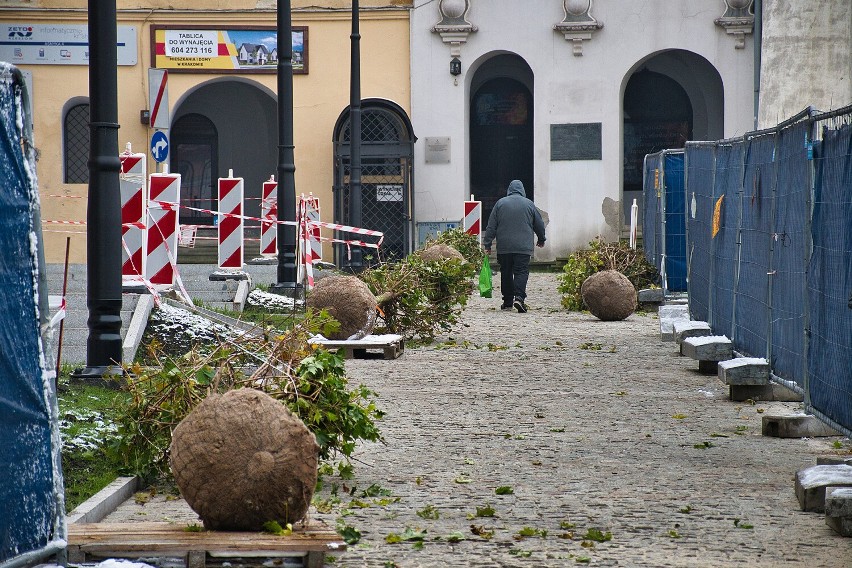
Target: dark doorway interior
501, 140
658, 116
196, 151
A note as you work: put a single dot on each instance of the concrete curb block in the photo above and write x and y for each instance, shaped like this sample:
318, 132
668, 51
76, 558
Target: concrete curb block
243, 290
796, 426
136, 328
104, 502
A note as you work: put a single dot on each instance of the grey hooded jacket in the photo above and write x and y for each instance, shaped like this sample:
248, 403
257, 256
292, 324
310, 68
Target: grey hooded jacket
514, 222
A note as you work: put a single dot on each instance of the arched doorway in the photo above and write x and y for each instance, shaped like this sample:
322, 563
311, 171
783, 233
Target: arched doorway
501, 129
195, 157
669, 98
387, 152
221, 125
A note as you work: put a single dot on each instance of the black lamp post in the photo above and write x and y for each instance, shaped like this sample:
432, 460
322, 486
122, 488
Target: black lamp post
286, 234
103, 217
355, 211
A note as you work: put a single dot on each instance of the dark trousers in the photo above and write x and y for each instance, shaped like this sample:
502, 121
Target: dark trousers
514, 273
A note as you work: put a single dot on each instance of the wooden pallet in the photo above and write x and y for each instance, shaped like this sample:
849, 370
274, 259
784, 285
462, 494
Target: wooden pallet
370, 347
90, 541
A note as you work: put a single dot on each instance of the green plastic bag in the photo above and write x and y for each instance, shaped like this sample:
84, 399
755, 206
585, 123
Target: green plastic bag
485, 278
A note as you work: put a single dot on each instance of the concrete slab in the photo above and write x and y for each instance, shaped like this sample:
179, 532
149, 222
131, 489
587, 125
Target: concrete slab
796, 426
690, 328
650, 296
834, 460
770, 392
811, 484
751, 371
104, 502
838, 510
668, 316
707, 348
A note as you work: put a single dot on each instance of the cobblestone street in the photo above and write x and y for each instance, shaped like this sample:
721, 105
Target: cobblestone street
594, 426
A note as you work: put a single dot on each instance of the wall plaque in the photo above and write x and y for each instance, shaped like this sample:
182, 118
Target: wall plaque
578, 141
438, 150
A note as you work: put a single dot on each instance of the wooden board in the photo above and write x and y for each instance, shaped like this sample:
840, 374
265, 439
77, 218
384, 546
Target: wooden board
158, 539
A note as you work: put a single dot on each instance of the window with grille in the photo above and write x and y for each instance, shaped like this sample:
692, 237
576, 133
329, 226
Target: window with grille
75, 133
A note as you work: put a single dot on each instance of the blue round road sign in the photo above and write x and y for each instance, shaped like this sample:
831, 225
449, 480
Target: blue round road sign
159, 146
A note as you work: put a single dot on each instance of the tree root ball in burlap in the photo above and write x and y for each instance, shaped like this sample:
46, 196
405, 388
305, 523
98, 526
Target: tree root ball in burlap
348, 300
440, 251
609, 295
242, 459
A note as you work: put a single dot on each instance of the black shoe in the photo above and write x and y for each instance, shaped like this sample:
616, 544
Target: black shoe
520, 306
505, 307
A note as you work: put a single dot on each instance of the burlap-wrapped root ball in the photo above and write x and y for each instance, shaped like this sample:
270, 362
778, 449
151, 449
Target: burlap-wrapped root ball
609, 295
348, 300
242, 459
440, 251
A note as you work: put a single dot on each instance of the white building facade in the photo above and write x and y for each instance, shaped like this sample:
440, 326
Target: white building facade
568, 96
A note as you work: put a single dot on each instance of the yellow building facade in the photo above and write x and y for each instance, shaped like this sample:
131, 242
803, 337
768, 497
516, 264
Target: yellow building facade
220, 120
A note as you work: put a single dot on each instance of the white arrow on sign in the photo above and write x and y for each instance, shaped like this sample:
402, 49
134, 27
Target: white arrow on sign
158, 98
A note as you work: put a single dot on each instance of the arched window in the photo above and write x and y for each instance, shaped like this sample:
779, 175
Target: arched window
75, 141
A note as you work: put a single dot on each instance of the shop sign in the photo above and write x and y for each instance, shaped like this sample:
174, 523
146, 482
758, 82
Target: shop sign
58, 44
193, 49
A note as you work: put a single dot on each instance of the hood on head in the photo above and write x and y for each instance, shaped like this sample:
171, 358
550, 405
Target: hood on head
516, 188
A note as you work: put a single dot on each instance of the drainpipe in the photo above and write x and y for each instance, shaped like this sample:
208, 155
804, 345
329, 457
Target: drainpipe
758, 47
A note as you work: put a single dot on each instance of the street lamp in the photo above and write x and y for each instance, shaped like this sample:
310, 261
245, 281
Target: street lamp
286, 234
355, 200
103, 216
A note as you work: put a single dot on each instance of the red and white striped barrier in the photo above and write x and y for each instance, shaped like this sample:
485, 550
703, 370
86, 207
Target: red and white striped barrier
268, 215
472, 223
231, 223
162, 229
311, 207
133, 204
306, 267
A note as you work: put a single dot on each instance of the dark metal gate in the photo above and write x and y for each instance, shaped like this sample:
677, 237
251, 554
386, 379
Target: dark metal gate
387, 188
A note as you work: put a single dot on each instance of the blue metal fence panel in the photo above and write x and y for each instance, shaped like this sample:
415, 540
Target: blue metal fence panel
830, 279
651, 229
788, 280
700, 164
752, 306
777, 275
30, 510
728, 181
675, 222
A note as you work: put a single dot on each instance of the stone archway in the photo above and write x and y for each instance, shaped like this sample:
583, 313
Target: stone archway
501, 129
668, 98
234, 123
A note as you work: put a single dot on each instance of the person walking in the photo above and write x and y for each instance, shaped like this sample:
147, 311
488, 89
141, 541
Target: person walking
514, 222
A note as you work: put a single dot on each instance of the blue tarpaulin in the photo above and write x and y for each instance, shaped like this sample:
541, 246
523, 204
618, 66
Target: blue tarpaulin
664, 217
31, 501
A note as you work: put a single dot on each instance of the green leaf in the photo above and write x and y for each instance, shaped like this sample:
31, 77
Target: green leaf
454, 537
350, 535
597, 535
428, 512
486, 511
504, 490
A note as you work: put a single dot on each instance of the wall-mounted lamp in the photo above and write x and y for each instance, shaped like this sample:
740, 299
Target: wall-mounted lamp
455, 66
